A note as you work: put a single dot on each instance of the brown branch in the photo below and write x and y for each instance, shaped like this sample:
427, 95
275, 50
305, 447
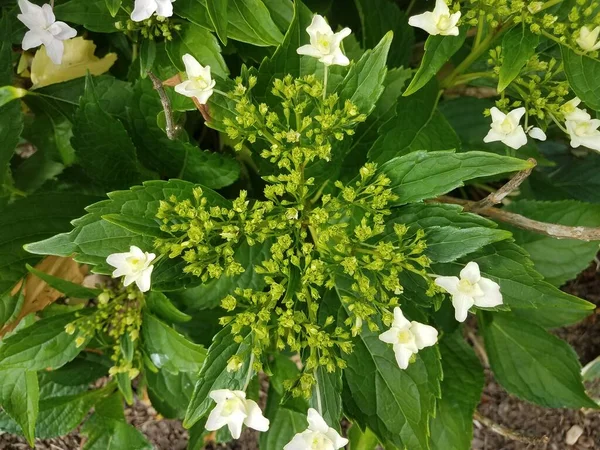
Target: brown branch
549, 229
170, 127
508, 433
496, 197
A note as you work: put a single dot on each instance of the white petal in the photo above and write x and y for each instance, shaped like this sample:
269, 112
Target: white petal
143, 9
497, 115
516, 139
339, 36
592, 142
441, 8
402, 356
215, 420
297, 443
471, 272
335, 438
316, 422
454, 31
399, 320
309, 50
235, 423
339, 59
136, 252
390, 336
491, 294
31, 40
462, 304
204, 95
164, 8
62, 31
32, 15
516, 115
220, 395
192, 67
425, 335
55, 50
318, 25
144, 280
425, 21
130, 278
537, 133
449, 284
183, 89
117, 259
48, 14
255, 419
493, 136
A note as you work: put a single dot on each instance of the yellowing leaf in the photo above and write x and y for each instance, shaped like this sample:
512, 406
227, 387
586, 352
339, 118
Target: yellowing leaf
77, 60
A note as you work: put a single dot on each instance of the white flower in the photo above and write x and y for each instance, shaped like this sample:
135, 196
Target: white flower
408, 337
324, 43
143, 9
438, 21
506, 128
318, 436
471, 289
536, 133
234, 410
588, 39
135, 265
584, 132
199, 83
44, 29
572, 112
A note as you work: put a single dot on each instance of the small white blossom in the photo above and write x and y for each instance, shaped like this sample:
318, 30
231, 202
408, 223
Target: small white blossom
324, 43
588, 39
234, 410
572, 112
318, 436
143, 9
199, 84
584, 132
505, 128
536, 133
408, 337
471, 289
135, 265
438, 21
44, 29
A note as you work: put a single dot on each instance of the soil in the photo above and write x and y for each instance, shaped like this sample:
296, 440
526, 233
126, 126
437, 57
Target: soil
504, 422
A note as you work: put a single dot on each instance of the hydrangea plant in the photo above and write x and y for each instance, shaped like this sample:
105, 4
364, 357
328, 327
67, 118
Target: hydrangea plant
269, 194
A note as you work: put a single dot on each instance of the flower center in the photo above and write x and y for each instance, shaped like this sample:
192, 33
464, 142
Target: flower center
323, 43
135, 263
231, 405
404, 336
444, 22
582, 129
506, 126
466, 287
320, 442
200, 83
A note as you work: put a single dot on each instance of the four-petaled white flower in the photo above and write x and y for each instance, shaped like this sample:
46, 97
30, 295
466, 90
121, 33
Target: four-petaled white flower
572, 112
44, 29
324, 43
199, 84
408, 337
234, 410
135, 265
318, 435
588, 39
471, 289
143, 9
506, 128
584, 132
438, 21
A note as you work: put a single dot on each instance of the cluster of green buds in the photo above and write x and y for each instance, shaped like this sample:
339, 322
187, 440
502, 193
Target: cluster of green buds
156, 27
115, 323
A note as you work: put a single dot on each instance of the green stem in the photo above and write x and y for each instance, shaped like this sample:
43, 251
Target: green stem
410, 6
318, 394
325, 75
549, 4
558, 124
480, 26
250, 370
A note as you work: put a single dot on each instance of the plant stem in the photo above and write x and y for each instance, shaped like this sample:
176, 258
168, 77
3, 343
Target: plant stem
318, 394
325, 74
250, 370
549, 4
480, 25
410, 6
166, 104
508, 433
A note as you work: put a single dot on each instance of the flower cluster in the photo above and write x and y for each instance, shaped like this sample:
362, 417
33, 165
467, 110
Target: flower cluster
153, 27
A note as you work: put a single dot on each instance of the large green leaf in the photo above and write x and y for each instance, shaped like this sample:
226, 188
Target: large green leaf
438, 50
64, 286
92, 14
19, 397
463, 382
10, 306
328, 396
416, 125
518, 45
168, 349
558, 260
533, 364
217, 11
43, 345
583, 73
171, 393
28, 220
421, 175
214, 373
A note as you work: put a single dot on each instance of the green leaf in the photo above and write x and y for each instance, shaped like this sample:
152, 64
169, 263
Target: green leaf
446, 244
533, 364
107, 430
10, 307
19, 397
64, 286
174, 158
328, 396
463, 382
377, 17
171, 393
161, 306
201, 44
362, 440
217, 11
421, 175
92, 14
111, 163
582, 73
522, 288
10, 93
11, 126
214, 374
518, 46
168, 349
43, 345
147, 56
113, 6
438, 51
416, 125
28, 220
558, 260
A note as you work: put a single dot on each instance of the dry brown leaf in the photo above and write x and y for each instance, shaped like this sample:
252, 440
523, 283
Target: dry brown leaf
38, 295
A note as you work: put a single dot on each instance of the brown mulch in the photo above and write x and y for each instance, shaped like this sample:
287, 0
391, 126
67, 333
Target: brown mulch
543, 429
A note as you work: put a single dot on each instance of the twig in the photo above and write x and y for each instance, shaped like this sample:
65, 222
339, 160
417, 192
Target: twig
496, 197
549, 229
508, 433
170, 127
479, 349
